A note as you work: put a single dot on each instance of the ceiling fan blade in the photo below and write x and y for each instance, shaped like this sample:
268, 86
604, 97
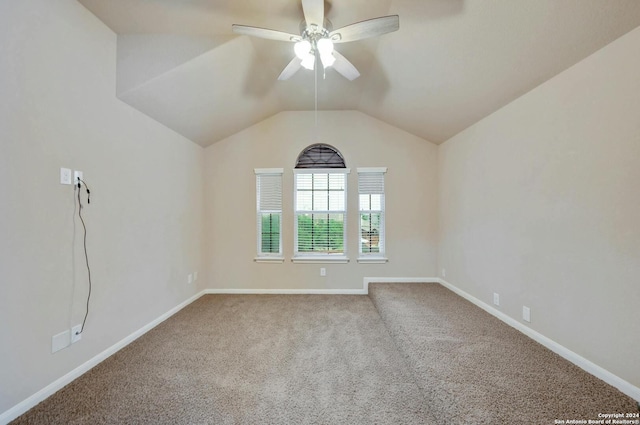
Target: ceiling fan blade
290, 69
344, 67
313, 12
264, 33
365, 29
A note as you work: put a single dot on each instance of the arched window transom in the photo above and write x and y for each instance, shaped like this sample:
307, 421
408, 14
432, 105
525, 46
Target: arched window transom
320, 155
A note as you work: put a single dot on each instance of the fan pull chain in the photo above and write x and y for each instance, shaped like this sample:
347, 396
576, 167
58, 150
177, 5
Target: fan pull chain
316, 99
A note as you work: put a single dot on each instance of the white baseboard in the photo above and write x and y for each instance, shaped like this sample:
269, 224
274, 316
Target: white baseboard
590, 367
56, 385
363, 291
368, 280
287, 291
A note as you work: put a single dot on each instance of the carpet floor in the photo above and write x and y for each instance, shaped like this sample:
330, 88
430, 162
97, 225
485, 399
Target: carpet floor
475, 369
407, 354
250, 359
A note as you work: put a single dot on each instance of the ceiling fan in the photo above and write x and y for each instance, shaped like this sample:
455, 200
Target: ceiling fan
317, 38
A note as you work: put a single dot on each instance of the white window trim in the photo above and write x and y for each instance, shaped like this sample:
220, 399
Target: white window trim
269, 259
268, 171
262, 257
320, 258
373, 258
321, 170
371, 170
307, 258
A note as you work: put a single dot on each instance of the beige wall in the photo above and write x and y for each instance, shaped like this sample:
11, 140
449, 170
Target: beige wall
59, 109
276, 142
540, 202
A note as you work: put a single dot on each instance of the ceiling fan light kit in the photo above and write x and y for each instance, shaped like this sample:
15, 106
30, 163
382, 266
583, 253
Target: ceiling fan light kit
309, 62
302, 49
317, 39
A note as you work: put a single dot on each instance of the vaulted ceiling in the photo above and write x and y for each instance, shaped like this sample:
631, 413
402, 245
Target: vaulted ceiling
452, 62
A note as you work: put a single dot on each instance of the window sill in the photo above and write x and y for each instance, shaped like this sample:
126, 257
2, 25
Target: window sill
320, 259
269, 259
373, 260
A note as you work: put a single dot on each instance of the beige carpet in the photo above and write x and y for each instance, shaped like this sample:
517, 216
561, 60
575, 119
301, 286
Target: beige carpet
250, 359
474, 369
424, 356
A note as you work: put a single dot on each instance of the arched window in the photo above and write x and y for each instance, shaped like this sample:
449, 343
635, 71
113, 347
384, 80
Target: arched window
320, 155
320, 202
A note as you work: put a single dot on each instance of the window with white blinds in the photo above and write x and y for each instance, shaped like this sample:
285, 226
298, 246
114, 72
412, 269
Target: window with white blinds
320, 212
269, 213
371, 201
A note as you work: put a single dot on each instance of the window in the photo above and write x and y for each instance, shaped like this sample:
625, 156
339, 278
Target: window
269, 213
320, 203
371, 200
320, 155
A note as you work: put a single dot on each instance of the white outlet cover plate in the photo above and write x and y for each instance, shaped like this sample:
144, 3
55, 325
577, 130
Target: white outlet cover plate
526, 314
76, 175
65, 176
75, 334
190, 278
60, 341
496, 298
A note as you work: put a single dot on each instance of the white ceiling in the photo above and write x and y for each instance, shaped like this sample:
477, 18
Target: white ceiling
452, 62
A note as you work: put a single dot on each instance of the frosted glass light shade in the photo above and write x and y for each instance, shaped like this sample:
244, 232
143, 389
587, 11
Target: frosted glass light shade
325, 46
302, 49
309, 61
327, 59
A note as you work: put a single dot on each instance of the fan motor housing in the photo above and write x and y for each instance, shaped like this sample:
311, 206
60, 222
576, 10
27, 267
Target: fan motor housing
309, 31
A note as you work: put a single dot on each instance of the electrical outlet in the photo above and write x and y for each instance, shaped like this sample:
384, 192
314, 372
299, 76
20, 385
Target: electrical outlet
323, 271
190, 278
75, 334
77, 176
444, 272
65, 176
60, 341
496, 298
526, 314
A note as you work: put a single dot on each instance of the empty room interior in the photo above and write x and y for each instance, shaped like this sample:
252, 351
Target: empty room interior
319, 212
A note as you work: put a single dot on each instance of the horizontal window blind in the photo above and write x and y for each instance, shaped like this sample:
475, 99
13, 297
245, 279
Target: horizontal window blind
269, 192
269, 212
321, 233
320, 210
320, 156
372, 208
371, 183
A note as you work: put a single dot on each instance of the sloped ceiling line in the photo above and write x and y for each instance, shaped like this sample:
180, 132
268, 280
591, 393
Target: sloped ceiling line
452, 63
